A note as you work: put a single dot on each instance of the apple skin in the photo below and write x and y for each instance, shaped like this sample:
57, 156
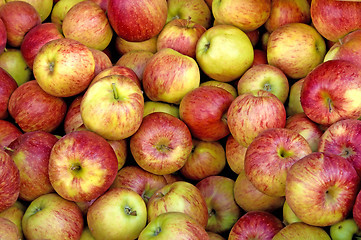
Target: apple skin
10, 181
72, 120
82, 166
137, 21
223, 211
123, 46
136, 61
180, 196
256, 225
356, 210
326, 15
7, 87
288, 215
33, 109
153, 106
43, 7
343, 138
181, 35
59, 11
325, 100
31, 152
94, 32
249, 198
260, 57
344, 230
170, 224
120, 213
8, 230
169, 76
113, 107
18, 17
15, 214
51, 216
162, 144
204, 110
301, 230
229, 63
64, 67
294, 102
265, 77
139, 180
281, 148
257, 111
207, 159
226, 86
3, 36
8, 133
324, 184
296, 49
247, 15
214, 236
235, 154
120, 148
288, 11
102, 60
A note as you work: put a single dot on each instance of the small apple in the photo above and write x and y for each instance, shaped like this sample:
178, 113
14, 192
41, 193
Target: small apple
344, 230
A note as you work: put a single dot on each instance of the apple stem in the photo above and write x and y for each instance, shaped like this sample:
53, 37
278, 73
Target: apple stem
188, 21
9, 149
129, 211
51, 66
115, 92
329, 102
157, 231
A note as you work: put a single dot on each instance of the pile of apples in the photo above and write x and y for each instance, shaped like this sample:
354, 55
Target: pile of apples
180, 119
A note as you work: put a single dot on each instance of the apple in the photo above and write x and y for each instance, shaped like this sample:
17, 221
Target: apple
8, 230
86, 234
64, 67
343, 138
120, 213
153, 106
224, 52
204, 110
162, 144
13, 62
15, 214
196, 10
102, 61
287, 11
170, 224
169, 75
135, 60
249, 198
288, 215
206, 159
120, 148
113, 107
294, 102
296, 49
43, 7
344, 230
137, 21
60, 9
3, 36
356, 210
102, 3
260, 57
235, 154
139, 180
264, 41
251, 113
10, 181
51, 216
72, 120
256, 225
226, 86
7, 87
87, 23
253, 36
247, 15
223, 211
82, 166
321, 188
215, 236
330, 92
180, 196
8, 133
123, 46
265, 77
18, 17
326, 15
301, 230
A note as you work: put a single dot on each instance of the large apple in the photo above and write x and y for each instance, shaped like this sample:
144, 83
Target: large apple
223, 211
33, 109
204, 110
296, 49
31, 152
52, 217
247, 15
331, 92
7, 87
224, 52
137, 20
162, 144
321, 188
64, 67
119, 213
251, 113
301, 230
169, 76
113, 107
8, 133
180, 196
82, 166
87, 23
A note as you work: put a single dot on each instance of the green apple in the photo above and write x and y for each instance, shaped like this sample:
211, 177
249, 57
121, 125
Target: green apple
294, 103
86, 234
288, 215
13, 62
154, 106
59, 11
344, 230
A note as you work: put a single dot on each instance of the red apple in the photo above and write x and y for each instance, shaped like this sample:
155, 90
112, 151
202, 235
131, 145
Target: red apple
102, 60
82, 166
8, 133
8, 230
235, 154
123, 46
3, 36
260, 57
7, 87
137, 20
356, 210
331, 92
73, 120
162, 144
120, 148
204, 110
253, 36
33, 109
226, 86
